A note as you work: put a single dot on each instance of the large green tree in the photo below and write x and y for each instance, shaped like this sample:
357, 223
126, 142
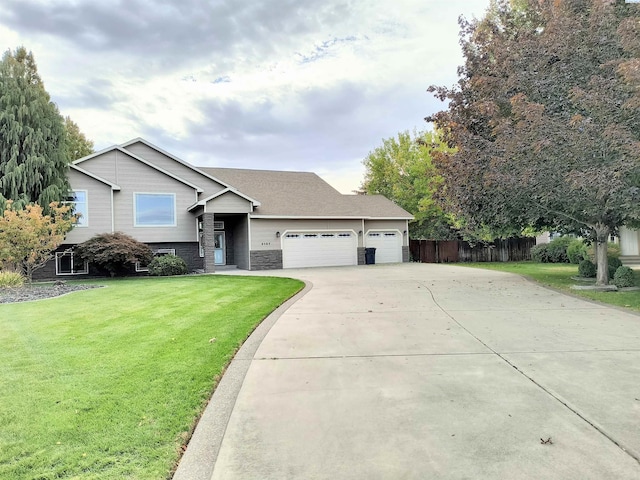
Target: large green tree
33, 143
78, 145
402, 170
546, 118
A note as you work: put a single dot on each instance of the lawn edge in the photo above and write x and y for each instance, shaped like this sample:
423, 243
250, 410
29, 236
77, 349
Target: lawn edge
569, 293
201, 453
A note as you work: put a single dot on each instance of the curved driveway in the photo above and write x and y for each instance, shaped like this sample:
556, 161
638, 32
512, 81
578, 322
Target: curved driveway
422, 371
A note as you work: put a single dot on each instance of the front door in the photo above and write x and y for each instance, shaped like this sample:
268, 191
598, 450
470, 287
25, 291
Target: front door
219, 248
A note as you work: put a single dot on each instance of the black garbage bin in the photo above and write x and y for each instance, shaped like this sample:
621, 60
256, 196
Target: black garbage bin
369, 256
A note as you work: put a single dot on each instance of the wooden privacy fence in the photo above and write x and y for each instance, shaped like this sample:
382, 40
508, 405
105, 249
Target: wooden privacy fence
451, 251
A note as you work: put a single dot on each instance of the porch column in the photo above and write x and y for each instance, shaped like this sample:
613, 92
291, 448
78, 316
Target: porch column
208, 242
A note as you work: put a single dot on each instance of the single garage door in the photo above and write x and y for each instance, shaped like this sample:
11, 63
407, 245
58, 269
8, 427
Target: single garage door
388, 246
319, 249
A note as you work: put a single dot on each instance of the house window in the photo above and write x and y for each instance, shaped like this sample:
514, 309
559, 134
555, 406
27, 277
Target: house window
155, 210
161, 252
67, 263
78, 200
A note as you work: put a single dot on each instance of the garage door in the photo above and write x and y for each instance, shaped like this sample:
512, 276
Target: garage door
319, 249
388, 246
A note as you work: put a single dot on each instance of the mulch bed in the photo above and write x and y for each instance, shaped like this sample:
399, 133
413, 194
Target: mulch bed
39, 292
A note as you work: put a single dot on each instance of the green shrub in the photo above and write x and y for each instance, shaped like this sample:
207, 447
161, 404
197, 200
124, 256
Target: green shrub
614, 264
558, 250
576, 251
167, 265
10, 279
624, 277
540, 253
114, 253
552, 252
586, 268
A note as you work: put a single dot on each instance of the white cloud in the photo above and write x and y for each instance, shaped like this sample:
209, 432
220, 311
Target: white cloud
281, 84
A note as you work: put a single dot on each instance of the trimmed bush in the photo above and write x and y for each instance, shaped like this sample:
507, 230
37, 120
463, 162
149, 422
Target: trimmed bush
114, 253
167, 265
540, 253
577, 251
624, 277
558, 250
587, 269
10, 279
552, 252
614, 264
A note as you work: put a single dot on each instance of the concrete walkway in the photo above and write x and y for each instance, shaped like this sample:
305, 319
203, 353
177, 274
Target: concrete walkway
421, 371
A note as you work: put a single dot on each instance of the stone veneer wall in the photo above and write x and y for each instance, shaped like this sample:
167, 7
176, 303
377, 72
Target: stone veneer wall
405, 254
265, 259
361, 256
208, 241
188, 251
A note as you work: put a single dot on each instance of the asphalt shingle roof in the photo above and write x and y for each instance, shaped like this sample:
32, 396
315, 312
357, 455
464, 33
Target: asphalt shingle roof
303, 194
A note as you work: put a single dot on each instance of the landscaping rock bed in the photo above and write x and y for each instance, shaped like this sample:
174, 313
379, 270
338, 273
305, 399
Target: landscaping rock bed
39, 292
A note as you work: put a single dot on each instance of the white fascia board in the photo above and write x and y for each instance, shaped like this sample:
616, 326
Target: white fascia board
327, 217
95, 177
174, 158
235, 192
201, 203
220, 193
95, 154
117, 148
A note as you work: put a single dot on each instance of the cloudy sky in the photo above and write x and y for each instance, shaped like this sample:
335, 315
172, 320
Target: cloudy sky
309, 85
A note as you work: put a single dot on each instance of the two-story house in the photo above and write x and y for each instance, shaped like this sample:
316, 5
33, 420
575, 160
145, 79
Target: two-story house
253, 219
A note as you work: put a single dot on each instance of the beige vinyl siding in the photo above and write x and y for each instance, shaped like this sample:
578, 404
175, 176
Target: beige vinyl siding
166, 163
136, 177
263, 231
400, 225
228, 203
241, 247
98, 205
104, 166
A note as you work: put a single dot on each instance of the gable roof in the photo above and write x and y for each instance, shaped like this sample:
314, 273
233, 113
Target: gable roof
95, 177
118, 148
174, 158
204, 201
304, 194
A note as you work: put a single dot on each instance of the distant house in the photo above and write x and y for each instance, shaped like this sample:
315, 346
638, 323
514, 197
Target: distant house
211, 217
629, 246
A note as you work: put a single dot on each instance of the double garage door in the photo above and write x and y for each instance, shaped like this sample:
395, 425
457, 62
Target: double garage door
335, 248
319, 249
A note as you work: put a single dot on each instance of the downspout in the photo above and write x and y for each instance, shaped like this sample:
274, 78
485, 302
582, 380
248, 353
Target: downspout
249, 240
113, 214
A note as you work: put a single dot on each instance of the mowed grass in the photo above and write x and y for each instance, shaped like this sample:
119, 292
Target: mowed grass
107, 383
558, 275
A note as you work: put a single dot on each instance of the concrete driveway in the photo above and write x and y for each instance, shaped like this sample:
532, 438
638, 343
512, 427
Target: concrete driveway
420, 371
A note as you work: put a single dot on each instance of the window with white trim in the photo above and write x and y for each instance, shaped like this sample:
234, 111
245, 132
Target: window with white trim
78, 200
68, 263
154, 210
160, 252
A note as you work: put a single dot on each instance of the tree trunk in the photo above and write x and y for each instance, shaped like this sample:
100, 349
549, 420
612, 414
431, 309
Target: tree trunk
602, 261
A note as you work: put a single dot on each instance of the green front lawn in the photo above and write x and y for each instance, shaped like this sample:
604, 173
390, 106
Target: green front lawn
558, 275
107, 383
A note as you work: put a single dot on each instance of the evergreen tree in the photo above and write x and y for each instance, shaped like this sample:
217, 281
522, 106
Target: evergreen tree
33, 143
